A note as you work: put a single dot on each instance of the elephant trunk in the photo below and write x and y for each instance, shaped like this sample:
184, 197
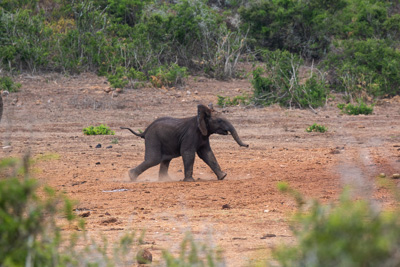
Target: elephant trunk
235, 135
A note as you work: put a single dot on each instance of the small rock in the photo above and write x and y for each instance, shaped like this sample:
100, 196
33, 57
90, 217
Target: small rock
98, 163
268, 235
107, 90
188, 93
108, 214
144, 256
196, 92
396, 176
109, 147
226, 207
110, 220
38, 102
50, 101
98, 146
382, 175
118, 90
85, 214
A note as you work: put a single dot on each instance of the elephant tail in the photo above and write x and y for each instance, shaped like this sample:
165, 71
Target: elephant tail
132, 131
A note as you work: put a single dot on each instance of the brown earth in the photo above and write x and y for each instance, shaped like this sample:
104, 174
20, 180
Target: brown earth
48, 114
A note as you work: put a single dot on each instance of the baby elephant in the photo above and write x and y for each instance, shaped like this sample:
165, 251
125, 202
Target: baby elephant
167, 138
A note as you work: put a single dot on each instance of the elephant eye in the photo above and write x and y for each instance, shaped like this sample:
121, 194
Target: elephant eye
219, 120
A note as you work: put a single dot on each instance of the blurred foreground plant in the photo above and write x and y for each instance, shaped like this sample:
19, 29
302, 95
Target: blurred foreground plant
28, 232
31, 236
347, 233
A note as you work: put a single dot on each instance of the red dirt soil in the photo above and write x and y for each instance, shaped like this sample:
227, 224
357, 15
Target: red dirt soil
47, 115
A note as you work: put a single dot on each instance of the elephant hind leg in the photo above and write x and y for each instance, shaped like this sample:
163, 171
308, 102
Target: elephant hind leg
135, 172
163, 174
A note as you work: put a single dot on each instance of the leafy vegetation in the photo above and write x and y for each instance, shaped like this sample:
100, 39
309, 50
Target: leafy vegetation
7, 83
28, 232
347, 45
347, 233
361, 108
31, 235
98, 130
316, 128
224, 101
278, 81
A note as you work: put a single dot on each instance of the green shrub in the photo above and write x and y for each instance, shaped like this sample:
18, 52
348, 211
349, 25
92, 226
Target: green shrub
172, 75
296, 26
279, 82
366, 66
6, 83
118, 79
29, 235
347, 233
361, 108
316, 128
26, 40
98, 130
224, 101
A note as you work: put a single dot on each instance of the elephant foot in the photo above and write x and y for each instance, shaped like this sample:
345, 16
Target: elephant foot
190, 179
164, 178
222, 176
132, 175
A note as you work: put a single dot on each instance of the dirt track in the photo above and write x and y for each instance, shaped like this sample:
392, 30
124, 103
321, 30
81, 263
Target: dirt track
48, 114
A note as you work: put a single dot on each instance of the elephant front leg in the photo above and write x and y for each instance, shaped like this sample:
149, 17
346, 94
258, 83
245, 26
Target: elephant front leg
207, 155
188, 162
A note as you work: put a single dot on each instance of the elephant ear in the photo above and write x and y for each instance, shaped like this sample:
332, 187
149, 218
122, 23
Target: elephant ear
203, 113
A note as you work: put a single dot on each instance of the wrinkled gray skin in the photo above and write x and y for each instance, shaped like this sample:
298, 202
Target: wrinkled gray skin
167, 138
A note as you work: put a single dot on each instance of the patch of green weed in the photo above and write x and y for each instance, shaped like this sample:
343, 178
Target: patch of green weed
316, 128
98, 130
361, 108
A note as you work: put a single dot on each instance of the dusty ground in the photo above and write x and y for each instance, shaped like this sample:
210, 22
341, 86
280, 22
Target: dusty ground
48, 114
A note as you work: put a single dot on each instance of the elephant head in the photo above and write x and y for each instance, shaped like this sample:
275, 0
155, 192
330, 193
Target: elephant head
210, 121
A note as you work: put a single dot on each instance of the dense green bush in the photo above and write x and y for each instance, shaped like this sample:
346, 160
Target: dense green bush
172, 75
279, 82
356, 40
361, 108
103, 35
347, 233
24, 41
7, 83
368, 66
302, 27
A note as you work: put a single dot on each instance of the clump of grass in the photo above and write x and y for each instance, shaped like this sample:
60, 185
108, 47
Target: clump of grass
361, 108
7, 83
98, 130
317, 128
224, 101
